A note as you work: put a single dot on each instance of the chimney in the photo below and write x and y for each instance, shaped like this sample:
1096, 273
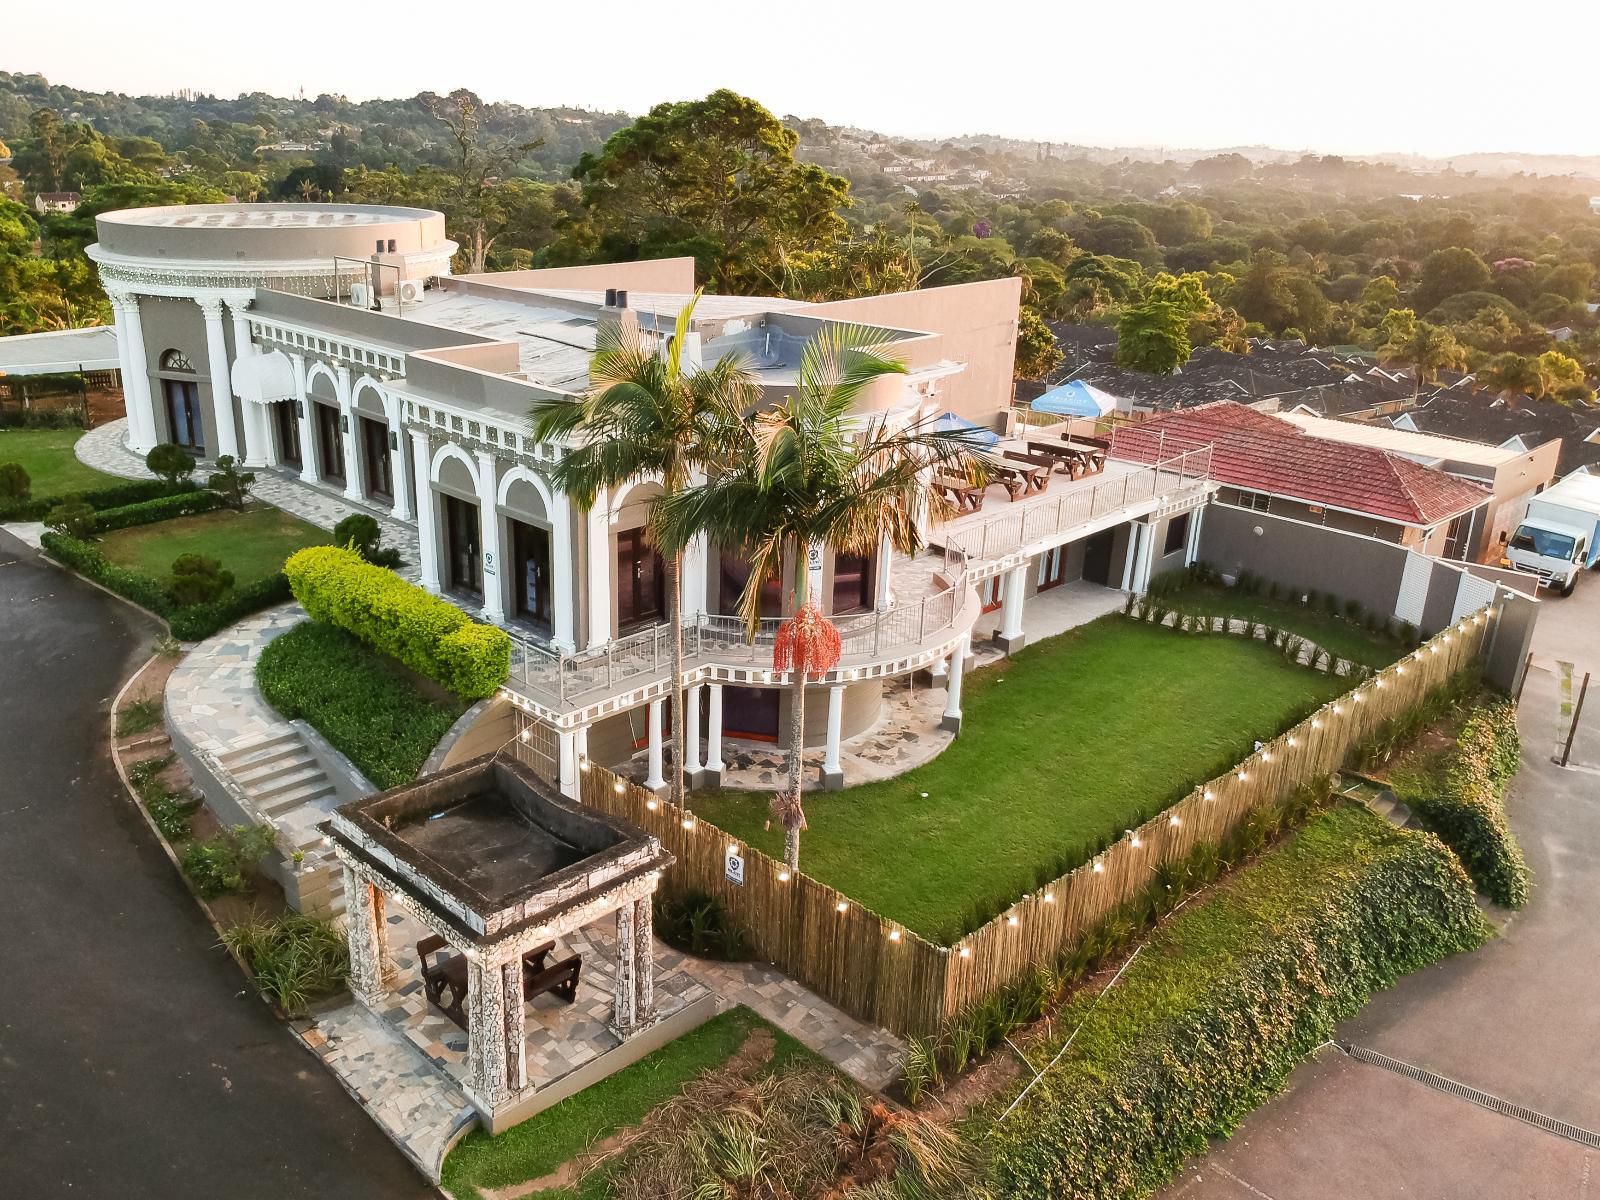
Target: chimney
622, 298
611, 297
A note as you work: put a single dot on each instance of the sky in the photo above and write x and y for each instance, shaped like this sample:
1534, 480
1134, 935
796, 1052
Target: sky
1436, 77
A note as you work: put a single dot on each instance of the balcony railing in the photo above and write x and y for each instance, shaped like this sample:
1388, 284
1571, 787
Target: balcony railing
1045, 517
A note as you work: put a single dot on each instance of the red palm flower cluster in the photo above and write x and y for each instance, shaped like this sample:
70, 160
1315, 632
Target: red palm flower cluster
807, 641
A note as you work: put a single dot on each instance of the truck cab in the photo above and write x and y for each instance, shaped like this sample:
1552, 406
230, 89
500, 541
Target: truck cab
1554, 551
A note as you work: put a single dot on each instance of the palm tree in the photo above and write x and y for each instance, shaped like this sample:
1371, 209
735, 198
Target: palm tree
644, 414
819, 477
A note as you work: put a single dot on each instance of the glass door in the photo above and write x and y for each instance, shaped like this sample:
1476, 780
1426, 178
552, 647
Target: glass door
183, 414
464, 548
641, 581
531, 570
288, 423
379, 466
330, 439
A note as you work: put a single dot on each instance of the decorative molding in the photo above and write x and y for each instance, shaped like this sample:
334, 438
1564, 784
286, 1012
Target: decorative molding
473, 430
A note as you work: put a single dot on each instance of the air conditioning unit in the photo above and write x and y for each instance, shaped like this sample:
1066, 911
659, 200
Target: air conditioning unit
361, 295
408, 291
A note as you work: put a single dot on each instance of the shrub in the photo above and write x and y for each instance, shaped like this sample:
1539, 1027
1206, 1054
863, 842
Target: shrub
921, 1069
361, 533
218, 864
697, 924
162, 508
1467, 810
230, 483
75, 519
431, 636
202, 620
14, 483
198, 579
295, 958
114, 496
1226, 1000
365, 705
171, 463
138, 717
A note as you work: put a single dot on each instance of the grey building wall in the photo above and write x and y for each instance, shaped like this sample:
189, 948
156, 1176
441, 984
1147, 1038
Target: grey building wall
1507, 656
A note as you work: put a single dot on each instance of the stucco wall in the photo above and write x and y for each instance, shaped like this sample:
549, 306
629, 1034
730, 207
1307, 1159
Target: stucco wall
672, 275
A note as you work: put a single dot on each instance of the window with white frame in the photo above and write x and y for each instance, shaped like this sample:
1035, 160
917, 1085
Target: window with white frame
1259, 501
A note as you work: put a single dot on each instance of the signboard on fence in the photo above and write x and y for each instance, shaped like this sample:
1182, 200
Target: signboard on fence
735, 867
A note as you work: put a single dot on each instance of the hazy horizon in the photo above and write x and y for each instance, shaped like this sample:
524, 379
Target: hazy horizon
1332, 84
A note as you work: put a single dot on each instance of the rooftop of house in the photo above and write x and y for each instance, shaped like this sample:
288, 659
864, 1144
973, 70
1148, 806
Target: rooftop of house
1429, 449
1266, 453
1483, 417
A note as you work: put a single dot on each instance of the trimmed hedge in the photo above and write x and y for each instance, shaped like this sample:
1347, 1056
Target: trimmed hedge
361, 702
118, 495
1225, 1000
162, 508
1468, 812
431, 636
188, 623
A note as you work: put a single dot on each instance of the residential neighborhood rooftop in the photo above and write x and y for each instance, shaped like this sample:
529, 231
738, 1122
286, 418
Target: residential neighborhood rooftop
1428, 449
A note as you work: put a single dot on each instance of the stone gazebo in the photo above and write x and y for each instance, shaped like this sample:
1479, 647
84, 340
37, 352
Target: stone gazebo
499, 866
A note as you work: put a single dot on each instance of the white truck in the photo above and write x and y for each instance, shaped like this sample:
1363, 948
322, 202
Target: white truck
1560, 533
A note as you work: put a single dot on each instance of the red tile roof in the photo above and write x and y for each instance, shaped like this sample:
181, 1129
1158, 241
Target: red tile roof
1263, 453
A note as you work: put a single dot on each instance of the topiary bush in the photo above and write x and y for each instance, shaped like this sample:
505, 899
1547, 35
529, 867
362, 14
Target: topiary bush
171, 463
15, 486
431, 636
162, 508
198, 579
1468, 810
75, 519
1223, 1002
362, 533
230, 483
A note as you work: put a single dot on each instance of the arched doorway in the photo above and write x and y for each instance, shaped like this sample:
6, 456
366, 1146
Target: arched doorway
181, 399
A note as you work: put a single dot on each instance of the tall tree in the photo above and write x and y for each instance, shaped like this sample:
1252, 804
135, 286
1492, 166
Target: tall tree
1153, 337
478, 163
647, 414
1037, 352
1447, 273
1510, 374
815, 477
716, 178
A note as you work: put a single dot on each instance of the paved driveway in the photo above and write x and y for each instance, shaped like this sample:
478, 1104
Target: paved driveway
131, 1063
1519, 1019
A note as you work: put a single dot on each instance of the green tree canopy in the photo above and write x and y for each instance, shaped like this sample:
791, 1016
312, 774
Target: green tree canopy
1449, 272
1153, 337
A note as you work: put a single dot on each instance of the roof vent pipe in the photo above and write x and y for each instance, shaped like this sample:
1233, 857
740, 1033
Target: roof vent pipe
611, 297
622, 298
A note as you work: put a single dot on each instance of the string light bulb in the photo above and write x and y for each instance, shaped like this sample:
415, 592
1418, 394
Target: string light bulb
651, 805
894, 935
966, 952
841, 906
1174, 820
1012, 921
783, 877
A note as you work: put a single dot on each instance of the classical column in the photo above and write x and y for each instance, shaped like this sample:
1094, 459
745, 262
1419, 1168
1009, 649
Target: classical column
136, 381
692, 770
656, 780
399, 464
885, 588
644, 962
1192, 550
567, 743
221, 378
118, 303
832, 772
624, 995
486, 1031
258, 448
347, 425
1011, 638
714, 764
1147, 553
563, 601
600, 585
308, 434
427, 513
365, 936
693, 583
516, 1035
494, 591
952, 703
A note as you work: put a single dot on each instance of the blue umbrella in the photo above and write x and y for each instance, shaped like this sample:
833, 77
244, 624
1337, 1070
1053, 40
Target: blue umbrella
1075, 399
948, 422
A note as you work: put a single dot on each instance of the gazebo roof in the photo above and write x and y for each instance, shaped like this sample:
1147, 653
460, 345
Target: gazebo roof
491, 849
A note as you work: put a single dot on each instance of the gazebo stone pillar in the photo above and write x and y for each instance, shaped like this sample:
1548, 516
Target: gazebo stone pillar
624, 995
368, 938
486, 1031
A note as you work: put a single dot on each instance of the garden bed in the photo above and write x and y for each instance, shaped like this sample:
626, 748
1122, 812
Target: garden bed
1063, 747
382, 717
251, 544
1325, 622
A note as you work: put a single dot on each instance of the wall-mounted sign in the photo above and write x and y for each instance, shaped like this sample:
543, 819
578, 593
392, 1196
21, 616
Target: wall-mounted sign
735, 868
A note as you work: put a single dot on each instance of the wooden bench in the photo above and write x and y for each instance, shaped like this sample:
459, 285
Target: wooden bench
961, 493
1020, 481
445, 979
562, 979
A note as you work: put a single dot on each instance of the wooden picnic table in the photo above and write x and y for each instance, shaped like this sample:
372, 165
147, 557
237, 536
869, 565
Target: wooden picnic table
445, 979
1074, 457
1021, 479
966, 496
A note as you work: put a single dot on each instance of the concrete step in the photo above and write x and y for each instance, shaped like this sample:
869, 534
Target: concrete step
241, 755
286, 778
273, 762
298, 796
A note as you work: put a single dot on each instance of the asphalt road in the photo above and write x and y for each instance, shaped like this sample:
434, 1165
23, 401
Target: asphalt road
1519, 1019
131, 1063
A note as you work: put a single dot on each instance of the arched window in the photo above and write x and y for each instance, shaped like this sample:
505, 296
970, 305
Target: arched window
176, 360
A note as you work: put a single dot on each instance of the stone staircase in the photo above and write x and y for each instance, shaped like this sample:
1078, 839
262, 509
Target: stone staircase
281, 778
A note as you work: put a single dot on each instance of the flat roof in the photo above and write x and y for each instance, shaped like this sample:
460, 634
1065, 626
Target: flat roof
93, 348
263, 216
554, 345
1424, 447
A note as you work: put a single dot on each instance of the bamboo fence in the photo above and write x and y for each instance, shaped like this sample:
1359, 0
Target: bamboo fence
881, 972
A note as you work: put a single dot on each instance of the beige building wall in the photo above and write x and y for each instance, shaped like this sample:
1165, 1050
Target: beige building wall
670, 275
976, 324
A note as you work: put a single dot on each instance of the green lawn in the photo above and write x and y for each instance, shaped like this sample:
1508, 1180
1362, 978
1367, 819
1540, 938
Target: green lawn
1063, 747
1345, 638
538, 1146
251, 544
46, 454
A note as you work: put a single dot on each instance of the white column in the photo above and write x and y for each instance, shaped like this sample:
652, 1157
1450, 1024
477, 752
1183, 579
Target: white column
1192, 550
655, 781
714, 730
1011, 636
258, 448
952, 703
494, 592
567, 741
885, 589
1128, 560
308, 436
399, 466
427, 513
118, 303
347, 424
136, 380
600, 585
221, 378
691, 734
832, 773
563, 601
1147, 552
583, 745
